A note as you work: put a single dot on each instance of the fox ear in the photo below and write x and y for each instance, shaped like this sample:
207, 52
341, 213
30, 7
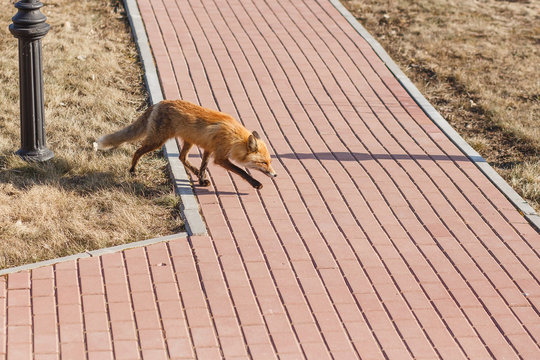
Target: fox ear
252, 143
256, 135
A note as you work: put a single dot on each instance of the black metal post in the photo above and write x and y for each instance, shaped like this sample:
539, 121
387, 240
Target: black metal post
29, 27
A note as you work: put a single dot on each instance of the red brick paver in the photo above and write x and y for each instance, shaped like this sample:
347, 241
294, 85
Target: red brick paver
379, 238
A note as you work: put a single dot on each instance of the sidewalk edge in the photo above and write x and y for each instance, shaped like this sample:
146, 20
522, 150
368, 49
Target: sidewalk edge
93, 253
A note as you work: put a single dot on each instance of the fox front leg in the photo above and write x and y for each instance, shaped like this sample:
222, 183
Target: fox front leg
235, 169
183, 158
203, 181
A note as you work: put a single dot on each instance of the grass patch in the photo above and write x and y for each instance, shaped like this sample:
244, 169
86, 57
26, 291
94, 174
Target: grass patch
477, 62
80, 200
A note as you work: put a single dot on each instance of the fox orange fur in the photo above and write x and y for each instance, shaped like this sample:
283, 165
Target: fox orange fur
218, 134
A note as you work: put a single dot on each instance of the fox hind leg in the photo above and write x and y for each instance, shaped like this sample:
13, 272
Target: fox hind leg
145, 148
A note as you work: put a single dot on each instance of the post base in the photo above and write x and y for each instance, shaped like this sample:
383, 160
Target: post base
39, 155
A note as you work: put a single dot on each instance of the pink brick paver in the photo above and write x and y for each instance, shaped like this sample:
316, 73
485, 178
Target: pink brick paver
378, 239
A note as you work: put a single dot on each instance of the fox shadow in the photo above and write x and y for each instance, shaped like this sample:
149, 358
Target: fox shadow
56, 172
199, 190
353, 156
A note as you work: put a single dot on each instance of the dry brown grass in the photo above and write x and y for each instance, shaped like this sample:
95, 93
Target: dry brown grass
478, 63
80, 200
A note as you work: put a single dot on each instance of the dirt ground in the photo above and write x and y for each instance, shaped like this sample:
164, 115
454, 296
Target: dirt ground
80, 200
478, 63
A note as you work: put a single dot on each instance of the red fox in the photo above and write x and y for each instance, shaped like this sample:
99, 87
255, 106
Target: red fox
218, 134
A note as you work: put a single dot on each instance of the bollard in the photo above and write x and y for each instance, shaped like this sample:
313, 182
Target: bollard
29, 27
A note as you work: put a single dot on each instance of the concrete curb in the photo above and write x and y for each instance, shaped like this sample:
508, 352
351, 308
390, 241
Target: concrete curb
523, 207
190, 207
94, 253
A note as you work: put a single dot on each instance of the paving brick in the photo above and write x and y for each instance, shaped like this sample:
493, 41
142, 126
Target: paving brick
71, 333
421, 348
42, 287
208, 353
19, 333
143, 301
68, 295
3, 289
147, 319
46, 342
198, 317
193, 298
117, 293
96, 321
123, 330
120, 312
114, 275
285, 342
179, 347
175, 328
96, 355
315, 350
20, 351
233, 347
460, 327
44, 272
171, 309
262, 351
18, 280
66, 277
93, 303
19, 315
74, 350
91, 285
203, 337
154, 354
89, 267
162, 273
112, 260
134, 266
98, 341
44, 324
151, 339
18, 297
139, 282
46, 356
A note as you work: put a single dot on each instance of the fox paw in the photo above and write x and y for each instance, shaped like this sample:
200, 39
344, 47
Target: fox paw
204, 182
257, 185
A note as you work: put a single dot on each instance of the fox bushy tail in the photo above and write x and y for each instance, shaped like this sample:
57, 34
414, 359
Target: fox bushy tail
132, 132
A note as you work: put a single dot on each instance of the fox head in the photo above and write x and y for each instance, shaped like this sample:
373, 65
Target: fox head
257, 157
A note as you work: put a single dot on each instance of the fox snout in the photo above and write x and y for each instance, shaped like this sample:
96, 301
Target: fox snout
265, 168
271, 173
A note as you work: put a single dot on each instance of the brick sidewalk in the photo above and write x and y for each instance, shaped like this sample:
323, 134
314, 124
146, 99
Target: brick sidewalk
378, 239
